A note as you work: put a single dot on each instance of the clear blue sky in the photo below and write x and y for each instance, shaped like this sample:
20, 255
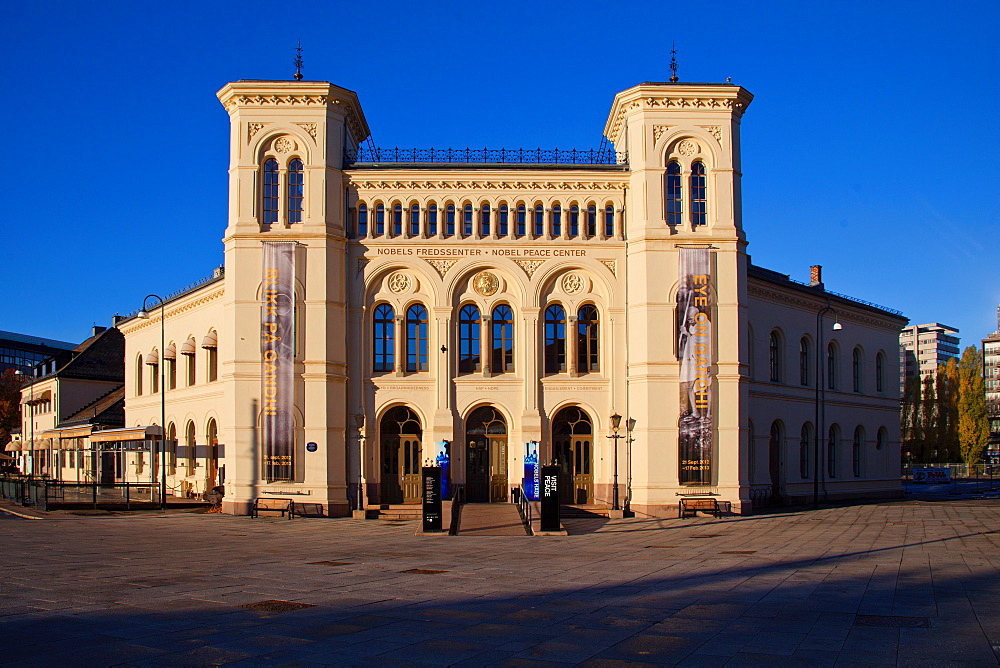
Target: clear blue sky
871, 147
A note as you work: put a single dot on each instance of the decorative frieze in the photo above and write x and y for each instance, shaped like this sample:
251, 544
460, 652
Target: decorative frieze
529, 266
440, 266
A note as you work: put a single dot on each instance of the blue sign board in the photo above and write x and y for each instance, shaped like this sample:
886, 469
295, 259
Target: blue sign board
311, 447
532, 470
442, 458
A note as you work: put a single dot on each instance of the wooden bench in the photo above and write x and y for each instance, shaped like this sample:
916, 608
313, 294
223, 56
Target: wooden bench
273, 505
691, 505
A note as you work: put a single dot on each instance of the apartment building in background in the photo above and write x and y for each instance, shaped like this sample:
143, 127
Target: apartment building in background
924, 348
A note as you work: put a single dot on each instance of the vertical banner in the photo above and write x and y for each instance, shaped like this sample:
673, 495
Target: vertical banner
532, 470
431, 476
694, 350
277, 317
442, 459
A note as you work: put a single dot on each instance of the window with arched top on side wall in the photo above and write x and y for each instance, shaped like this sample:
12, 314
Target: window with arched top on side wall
362, 230
383, 339
805, 445
212, 354
673, 195
591, 225
574, 221
138, 376
190, 442
555, 339
856, 450
881, 438
539, 221
379, 219
397, 220
880, 372
774, 357
857, 359
609, 221
432, 219
503, 220
467, 221
521, 224
296, 190
172, 446
804, 361
414, 220
556, 220
588, 340
484, 220
503, 340
699, 194
469, 333
449, 220
416, 338
751, 352
831, 366
269, 190
832, 443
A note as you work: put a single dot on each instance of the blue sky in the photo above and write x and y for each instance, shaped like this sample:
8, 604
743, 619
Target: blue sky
871, 147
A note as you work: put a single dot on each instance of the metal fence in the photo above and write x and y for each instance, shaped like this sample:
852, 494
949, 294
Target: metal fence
54, 494
503, 156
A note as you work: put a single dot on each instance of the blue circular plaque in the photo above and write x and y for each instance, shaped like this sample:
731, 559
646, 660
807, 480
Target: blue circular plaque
311, 447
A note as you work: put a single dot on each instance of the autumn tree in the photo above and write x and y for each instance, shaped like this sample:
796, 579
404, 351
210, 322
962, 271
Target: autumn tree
973, 423
946, 411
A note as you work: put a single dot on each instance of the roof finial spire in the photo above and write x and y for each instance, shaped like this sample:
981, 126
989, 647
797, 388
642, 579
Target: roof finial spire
298, 61
673, 62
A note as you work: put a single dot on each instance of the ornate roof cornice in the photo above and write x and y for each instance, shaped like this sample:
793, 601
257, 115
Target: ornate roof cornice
379, 182
725, 98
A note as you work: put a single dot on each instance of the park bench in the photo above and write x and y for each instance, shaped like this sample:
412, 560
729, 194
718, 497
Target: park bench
273, 505
691, 505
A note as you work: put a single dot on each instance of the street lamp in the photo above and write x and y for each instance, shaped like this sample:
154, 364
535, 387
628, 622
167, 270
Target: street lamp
616, 421
144, 314
359, 422
821, 394
31, 421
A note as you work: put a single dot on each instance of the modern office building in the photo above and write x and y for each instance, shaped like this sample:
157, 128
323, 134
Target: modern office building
22, 352
598, 306
924, 348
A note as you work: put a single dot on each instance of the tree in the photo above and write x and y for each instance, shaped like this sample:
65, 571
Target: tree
973, 423
928, 421
10, 404
909, 417
946, 411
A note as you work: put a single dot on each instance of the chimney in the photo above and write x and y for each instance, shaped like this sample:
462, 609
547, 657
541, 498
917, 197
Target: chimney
816, 276
97, 329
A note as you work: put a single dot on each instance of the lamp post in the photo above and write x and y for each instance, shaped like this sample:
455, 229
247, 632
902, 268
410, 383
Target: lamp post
629, 427
616, 421
31, 421
359, 422
821, 394
144, 314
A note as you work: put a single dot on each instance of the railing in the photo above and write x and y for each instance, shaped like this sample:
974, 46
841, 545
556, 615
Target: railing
764, 497
523, 507
502, 156
852, 299
49, 494
218, 274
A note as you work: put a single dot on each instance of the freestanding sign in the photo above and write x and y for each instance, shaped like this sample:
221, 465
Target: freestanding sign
442, 459
550, 498
277, 317
532, 470
431, 478
694, 350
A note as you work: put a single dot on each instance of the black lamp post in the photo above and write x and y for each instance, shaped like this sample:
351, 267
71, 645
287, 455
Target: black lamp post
616, 421
820, 394
144, 313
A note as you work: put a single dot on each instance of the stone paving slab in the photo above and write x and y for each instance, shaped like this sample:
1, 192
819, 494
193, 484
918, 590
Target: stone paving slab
777, 590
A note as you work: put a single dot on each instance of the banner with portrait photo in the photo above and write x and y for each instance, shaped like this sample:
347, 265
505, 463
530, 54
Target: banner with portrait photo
277, 314
694, 350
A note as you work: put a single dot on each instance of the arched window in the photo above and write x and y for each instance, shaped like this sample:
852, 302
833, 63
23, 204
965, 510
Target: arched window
416, 338
880, 438
449, 220
397, 220
414, 220
384, 338
171, 444
859, 441
362, 220
296, 186
856, 370
556, 220
591, 221
522, 221
574, 221
555, 339
804, 446
503, 340
588, 357
699, 194
212, 352
804, 361
609, 221
774, 357
270, 191
751, 353
468, 339
139, 370
379, 220
190, 444
467, 220
188, 350
673, 196
831, 366
432, 219
170, 357
484, 220
153, 362
539, 222
880, 372
831, 451
503, 224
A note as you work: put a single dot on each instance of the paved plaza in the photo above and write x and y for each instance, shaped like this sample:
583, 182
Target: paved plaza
909, 583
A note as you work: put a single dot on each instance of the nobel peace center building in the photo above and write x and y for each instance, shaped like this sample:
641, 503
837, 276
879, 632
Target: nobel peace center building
597, 310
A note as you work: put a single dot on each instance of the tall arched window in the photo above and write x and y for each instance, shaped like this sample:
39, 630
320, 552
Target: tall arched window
414, 220
880, 372
609, 221
190, 444
774, 357
416, 338
880, 438
831, 366
139, 370
699, 194
856, 361
555, 339
210, 344
384, 338
449, 221
484, 220
189, 351
503, 340
751, 354
270, 191
432, 219
574, 221
522, 221
673, 195
379, 219
539, 222
591, 221
296, 187
859, 441
362, 220
831, 451
503, 223
804, 446
397, 220
467, 220
804, 361
556, 220
588, 357
468, 339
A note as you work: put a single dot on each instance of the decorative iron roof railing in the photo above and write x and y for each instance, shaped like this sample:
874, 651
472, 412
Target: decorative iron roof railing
487, 156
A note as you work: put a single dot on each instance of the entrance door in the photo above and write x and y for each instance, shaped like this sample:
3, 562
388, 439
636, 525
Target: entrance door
400, 457
485, 456
572, 435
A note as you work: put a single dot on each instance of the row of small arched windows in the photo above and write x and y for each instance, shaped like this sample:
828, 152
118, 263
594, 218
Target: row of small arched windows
832, 447
276, 207
189, 351
483, 221
472, 348
807, 368
697, 199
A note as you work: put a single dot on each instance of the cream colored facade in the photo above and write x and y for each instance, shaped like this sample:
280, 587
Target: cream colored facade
606, 254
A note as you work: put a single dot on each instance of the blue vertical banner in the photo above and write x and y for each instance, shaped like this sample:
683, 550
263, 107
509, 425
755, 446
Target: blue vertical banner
442, 458
532, 470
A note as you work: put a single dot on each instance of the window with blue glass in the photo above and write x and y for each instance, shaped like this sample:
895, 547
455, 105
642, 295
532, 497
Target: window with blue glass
469, 324
296, 185
503, 340
467, 220
384, 338
574, 221
673, 195
539, 221
609, 221
522, 221
362, 220
432, 220
503, 227
555, 339
699, 194
270, 191
588, 358
556, 221
449, 229
379, 220
416, 338
591, 221
484, 220
397, 220
414, 220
